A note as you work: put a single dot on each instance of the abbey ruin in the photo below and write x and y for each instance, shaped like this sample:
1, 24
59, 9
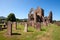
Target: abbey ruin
37, 15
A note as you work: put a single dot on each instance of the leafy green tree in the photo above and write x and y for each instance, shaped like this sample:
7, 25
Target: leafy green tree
11, 17
18, 20
0, 20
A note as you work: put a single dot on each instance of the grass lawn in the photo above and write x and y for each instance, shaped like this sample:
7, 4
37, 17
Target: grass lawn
56, 33
32, 33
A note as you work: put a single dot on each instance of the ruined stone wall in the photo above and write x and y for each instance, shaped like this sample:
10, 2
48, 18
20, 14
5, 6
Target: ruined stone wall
38, 16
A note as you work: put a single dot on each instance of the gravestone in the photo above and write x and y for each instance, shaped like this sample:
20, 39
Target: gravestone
31, 23
45, 23
0, 27
38, 26
26, 27
9, 28
4, 25
15, 25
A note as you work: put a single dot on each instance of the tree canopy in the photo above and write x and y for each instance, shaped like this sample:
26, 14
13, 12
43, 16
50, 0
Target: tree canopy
11, 17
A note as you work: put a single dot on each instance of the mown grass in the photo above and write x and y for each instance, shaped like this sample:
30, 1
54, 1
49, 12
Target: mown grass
32, 33
56, 33
19, 34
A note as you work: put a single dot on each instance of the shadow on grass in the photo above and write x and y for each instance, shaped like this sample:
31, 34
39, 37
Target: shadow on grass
18, 28
16, 34
1, 30
43, 29
4, 28
30, 31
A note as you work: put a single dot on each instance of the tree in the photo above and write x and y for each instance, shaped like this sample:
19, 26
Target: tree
0, 20
17, 19
11, 17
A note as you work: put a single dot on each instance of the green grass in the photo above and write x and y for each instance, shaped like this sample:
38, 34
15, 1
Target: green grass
56, 33
32, 33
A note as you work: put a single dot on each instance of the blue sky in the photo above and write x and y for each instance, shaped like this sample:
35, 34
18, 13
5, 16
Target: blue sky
21, 8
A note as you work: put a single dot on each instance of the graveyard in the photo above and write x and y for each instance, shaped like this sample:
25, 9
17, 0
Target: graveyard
50, 32
29, 20
36, 27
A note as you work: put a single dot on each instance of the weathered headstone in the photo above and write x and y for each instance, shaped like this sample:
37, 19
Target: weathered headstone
0, 27
9, 28
26, 27
29, 23
45, 23
15, 25
4, 25
38, 26
32, 23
